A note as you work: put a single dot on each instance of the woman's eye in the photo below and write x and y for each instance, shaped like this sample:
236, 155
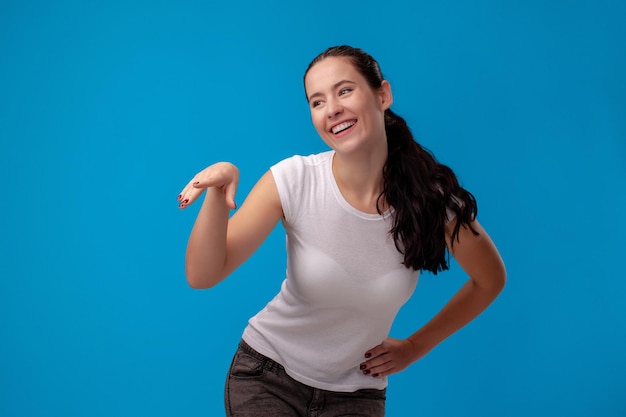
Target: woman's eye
316, 103
345, 91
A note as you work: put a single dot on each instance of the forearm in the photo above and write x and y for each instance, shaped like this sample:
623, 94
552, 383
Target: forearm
206, 249
463, 307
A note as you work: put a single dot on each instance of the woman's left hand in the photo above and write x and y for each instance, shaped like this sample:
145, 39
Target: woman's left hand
390, 357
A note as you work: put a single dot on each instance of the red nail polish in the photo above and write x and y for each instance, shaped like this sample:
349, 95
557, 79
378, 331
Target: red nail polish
375, 375
363, 366
196, 183
179, 196
367, 355
185, 201
365, 372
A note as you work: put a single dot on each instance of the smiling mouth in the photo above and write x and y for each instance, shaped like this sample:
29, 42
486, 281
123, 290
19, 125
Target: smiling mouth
343, 126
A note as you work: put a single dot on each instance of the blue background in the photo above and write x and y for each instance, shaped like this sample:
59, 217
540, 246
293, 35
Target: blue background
108, 108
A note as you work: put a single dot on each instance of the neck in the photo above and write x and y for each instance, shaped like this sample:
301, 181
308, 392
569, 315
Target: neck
360, 179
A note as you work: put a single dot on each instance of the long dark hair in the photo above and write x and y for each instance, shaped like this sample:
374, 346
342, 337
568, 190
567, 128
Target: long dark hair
415, 185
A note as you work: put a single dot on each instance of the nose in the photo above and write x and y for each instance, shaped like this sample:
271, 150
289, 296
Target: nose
333, 108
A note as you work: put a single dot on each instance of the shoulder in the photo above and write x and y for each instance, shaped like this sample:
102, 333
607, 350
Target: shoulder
302, 162
296, 169
299, 179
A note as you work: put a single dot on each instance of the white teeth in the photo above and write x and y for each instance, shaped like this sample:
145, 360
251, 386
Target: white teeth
343, 126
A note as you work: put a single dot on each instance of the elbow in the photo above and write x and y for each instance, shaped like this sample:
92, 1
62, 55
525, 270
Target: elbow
197, 284
202, 273
500, 285
492, 282
199, 280
499, 280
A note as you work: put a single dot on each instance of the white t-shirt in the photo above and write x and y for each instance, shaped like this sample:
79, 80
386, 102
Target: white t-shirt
345, 282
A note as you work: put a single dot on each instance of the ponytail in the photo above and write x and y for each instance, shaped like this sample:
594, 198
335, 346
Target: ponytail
420, 189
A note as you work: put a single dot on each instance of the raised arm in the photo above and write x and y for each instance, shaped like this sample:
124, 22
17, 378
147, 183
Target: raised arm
219, 244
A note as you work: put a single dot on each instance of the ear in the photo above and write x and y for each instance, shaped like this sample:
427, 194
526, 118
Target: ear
386, 97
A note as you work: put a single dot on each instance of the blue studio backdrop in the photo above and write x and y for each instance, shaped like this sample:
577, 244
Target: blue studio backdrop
107, 109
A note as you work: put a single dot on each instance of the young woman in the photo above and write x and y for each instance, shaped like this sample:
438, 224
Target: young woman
362, 220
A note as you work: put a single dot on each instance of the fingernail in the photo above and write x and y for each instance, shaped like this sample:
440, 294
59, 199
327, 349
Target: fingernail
365, 372
196, 183
185, 201
375, 375
179, 196
367, 355
363, 366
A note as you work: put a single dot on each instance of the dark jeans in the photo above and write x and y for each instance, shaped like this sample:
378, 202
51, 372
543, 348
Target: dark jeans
258, 386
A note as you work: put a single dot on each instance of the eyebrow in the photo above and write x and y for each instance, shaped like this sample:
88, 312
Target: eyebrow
337, 84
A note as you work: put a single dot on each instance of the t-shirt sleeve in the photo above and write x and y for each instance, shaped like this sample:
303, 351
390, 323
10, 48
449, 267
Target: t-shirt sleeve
288, 176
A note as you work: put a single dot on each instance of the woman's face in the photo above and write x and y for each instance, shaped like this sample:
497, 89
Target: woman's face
346, 112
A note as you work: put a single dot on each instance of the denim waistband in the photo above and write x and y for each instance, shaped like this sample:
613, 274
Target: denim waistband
268, 363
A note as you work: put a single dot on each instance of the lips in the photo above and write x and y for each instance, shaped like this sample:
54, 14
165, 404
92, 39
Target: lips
340, 127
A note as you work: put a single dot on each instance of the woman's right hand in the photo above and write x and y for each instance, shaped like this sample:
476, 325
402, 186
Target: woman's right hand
222, 175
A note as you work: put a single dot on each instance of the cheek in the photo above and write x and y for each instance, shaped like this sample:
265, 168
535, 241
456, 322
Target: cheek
318, 123
377, 116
